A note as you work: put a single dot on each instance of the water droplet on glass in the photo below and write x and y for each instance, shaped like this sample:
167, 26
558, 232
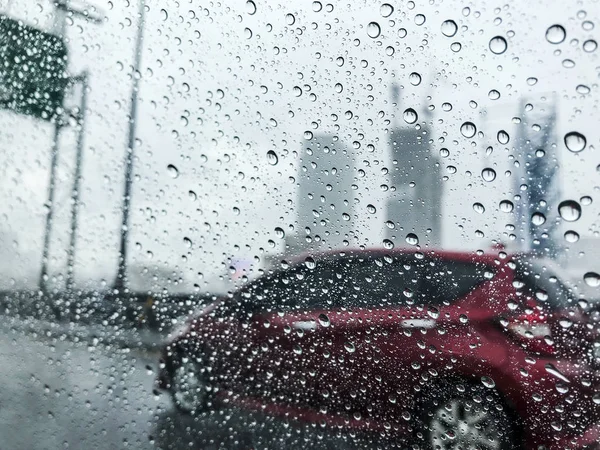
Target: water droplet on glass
571, 236
552, 370
193, 196
387, 244
449, 28
410, 116
537, 218
373, 30
250, 7
478, 208
494, 94
272, 157
447, 107
488, 382
317, 6
412, 239
592, 279
164, 15
488, 174
568, 63
371, 209
279, 232
532, 81
173, 171
498, 45
290, 19
582, 89
414, 79
506, 206
503, 137
323, 320
349, 346
585, 200
310, 263
386, 10
569, 210
420, 19
468, 129
575, 141
247, 33
390, 224
556, 34
455, 47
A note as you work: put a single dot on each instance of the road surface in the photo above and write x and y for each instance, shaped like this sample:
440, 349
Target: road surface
61, 395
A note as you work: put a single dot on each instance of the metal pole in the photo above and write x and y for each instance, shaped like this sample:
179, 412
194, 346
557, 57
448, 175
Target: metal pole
121, 280
50, 205
76, 182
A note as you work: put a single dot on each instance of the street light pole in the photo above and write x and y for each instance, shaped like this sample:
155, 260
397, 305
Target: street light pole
121, 280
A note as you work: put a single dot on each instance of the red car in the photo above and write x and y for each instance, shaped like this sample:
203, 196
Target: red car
439, 349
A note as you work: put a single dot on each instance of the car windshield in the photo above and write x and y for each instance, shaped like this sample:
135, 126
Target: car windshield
268, 224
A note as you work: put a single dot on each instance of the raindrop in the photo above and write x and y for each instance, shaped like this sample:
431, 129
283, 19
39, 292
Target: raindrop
488, 174
468, 129
349, 346
272, 157
478, 208
187, 242
455, 47
390, 224
506, 206
488, 382
557, 373
568, 63
324, 320
569, 210
414, 79
585, 200
590, 45
410, 116
420, 19
571, 236
592, 279
279, 232
537, 218
386, 10
387, 244
444, 152
290, 19
412, 239
582, 89
503, 137
317, 6
498, 45
164, 15
297, 90
373, 30
250, 7
494, 94
247, 33
173, 171
556, 34
310, 263
447, 107
451, 169
575, 141
371, 209
531, 81
449, 28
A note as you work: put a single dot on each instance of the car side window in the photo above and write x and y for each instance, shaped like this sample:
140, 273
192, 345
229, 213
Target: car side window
446, 281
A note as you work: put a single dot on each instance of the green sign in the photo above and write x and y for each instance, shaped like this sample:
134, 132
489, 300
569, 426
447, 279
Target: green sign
33, 70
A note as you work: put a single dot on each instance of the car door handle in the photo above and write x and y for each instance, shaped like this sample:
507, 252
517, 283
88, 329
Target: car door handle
305, 325
418, 323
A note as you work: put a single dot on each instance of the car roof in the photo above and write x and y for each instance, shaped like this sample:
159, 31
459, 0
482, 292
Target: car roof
465, 256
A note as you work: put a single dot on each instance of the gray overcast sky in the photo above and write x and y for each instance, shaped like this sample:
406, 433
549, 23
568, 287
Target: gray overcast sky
217, 93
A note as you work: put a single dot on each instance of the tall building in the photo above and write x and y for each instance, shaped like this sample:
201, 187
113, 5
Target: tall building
324, 206
414, 205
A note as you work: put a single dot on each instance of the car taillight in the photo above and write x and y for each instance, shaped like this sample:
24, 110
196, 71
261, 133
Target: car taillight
532, 331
